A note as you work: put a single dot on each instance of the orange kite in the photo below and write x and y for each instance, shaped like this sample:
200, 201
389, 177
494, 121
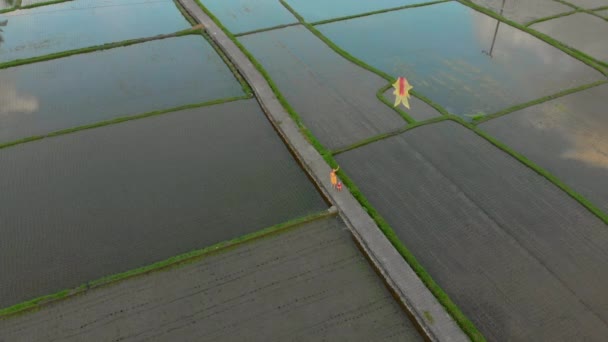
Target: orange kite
402, 89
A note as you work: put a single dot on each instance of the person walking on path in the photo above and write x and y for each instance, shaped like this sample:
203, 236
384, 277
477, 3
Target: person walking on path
333, 178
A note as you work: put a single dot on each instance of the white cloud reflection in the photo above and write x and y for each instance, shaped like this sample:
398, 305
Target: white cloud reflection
13, 101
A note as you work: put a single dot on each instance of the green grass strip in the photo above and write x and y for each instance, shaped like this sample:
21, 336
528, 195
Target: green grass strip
389, 134
590, 61
40, 4
19, 62
398, 110
122, 119
278, 27
366, 14
581, 9
481, 119
176, 261
540, 20
443, 298
551, 178
185, 13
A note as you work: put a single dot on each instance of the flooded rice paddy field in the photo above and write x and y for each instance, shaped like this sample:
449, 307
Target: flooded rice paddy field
584, 32
307, 283
335, 98
444, 59
63, 93
565, 136
83, 23
107, 200
522, 259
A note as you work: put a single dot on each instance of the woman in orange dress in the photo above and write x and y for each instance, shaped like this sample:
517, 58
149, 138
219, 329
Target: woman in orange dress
333, 178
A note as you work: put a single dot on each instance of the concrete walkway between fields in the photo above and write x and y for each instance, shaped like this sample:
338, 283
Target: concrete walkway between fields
397, 273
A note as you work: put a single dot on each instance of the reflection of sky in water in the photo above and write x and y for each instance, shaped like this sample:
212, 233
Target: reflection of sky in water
240, 16
583, 130
77, 24
68, 92
524, 11
566, 136
317, 10
13, 101
444, 61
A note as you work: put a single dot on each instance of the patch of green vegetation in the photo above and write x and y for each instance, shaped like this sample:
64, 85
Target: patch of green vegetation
95, 48
590, 61
265, 29
582, 200
122, 119
538, 101
176, 261
327, 21
185, 13
401, 112
477, 116
540, 20
429, 317
389, 134
40, 4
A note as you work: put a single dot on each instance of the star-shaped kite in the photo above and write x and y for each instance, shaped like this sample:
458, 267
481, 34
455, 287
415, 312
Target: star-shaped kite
402, 89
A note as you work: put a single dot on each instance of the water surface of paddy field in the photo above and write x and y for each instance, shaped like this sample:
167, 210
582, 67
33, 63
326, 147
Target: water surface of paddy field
525, 11
584, 32
565, 136
82, 89
97, 202
307, 283
419, 110
317, 10
240, 16
444, 59
335, 98
522, 259
589, 4
77, 24
603, 13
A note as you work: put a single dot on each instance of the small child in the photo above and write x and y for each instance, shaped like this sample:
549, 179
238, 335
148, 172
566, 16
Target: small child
339, 186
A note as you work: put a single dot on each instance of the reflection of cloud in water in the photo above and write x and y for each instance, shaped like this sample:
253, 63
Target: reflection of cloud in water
14, 102
511, 41
586, 139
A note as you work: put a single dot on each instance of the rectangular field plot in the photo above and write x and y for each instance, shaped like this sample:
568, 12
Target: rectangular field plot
523, 260
525, 11
309, 283
584, 32
317, 10
240, 16
565, 136
335, 98
97, 202
78, 24
44, 97
444, 61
